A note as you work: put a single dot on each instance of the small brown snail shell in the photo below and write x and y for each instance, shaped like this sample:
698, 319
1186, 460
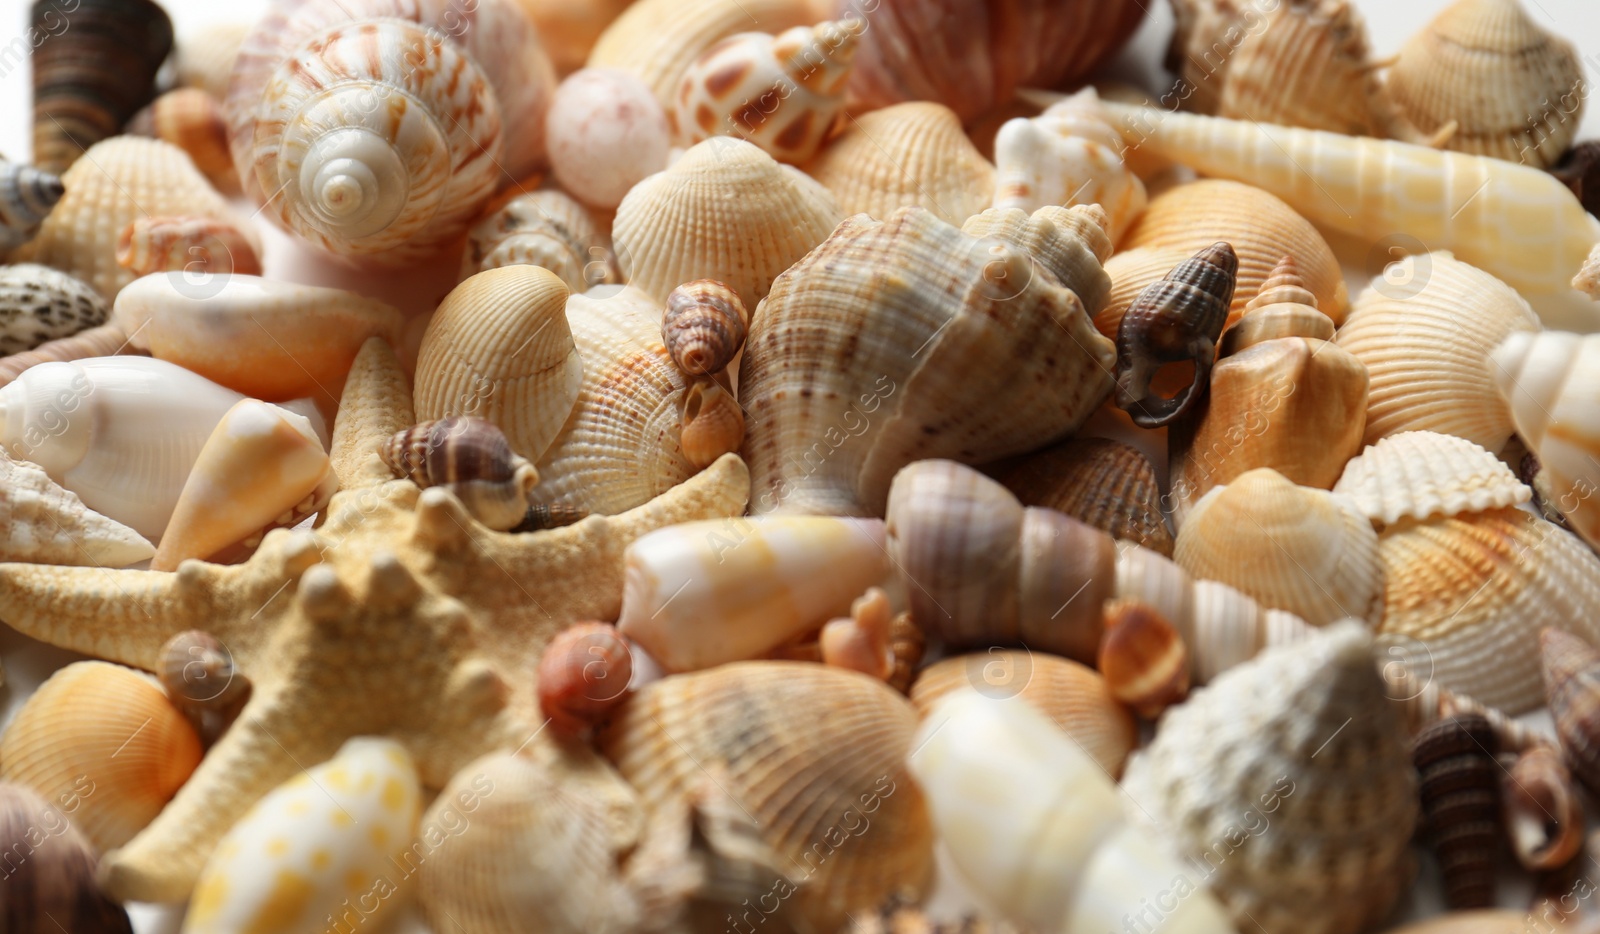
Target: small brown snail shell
1143, 658
198, 674
472, 459
1579, 170
1544, 815
541, 516
1178, 318
713, 423
1460, 788
583, 673
49, 871
704, 326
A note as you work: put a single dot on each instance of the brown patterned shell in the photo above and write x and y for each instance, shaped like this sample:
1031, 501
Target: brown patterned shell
1177, 318
1100, 482
472, 458
198, 674
1143, 657
1460, 788
1572, 683
51, 888
27, 194
704, 326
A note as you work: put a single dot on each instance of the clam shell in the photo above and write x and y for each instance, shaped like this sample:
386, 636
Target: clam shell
197, 247
1459, 782
542, 228
1103, 483
1421, 474
192, 120
46, 524
472, 459
904, 155
205, 58
106, 740
607, 133
39, 304
55, 889
27, 195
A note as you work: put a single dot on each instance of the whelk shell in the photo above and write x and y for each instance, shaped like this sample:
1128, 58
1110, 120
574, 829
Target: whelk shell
1103, 483
1421, 474
55, 884
47, 524
469, 457
192, 120
607, 133
582, 675
197, 247
1174, 320
1459, 782
907, 154
27, 195
542, 228
713, 423
39, 304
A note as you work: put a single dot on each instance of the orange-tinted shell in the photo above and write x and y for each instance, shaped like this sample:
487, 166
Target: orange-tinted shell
192, 120
583, 674
197, 247
1107, 484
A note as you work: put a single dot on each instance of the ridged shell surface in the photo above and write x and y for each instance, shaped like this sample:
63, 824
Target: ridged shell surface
1421, 474
1571, 669
1459, 782
542, 228
907, 154
39, 304
1104, 483
472, 459
46, 524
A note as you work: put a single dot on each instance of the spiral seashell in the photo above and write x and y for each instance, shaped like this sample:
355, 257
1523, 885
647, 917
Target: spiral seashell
46, 524
1543, 812
1460, 787
607, 133
781, 92
583, 674
1579, 170
106, 738
197, 672
27, 195
55, 885
1142, 658
862, 641
93, 67
704, 327
713, 424
192, 120
905, 155
205, 60
1176, 319
197, 247
1283, 308
1422, 474
1103, 483
39, 304
1569, 662
472, 459
549, 516
542, 228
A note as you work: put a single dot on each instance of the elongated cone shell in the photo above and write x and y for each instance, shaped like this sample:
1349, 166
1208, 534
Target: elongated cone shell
542, 228
1460, 788
704, 327
1421, 474
1035, 825
46, 524
724, 211
1572, 683
1103, 483
1143, 658
713, 424
583, 674
106, 740
1303, 737
197, 247
499, 348
1467, 596
847, 377
192, 120
259, 462
607, 134
905, 155
55, 888
1073, 696
1424, 331
816, 756
472, 459
27, 194
1176, 319
39, 304
705, 593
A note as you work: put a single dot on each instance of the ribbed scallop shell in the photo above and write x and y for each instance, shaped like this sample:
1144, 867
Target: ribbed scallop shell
908, 154
1073, 696
723, 211
1467, 596
46, 524
206, 56
1421, 474
39, 304
107, 737
1107, 484
192, 120
27, 195
55, 889
814, 755
196, 247
542, 228
499, 348
1289, 782
1424, 331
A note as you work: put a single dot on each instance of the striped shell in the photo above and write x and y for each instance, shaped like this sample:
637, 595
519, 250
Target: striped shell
192, 120
46, 524
197, 672
907, 154
54, 889
469, 457
1459, 782
197, 247
1571, 668
1103, 483
704, 327
39, 304
1421, 474
542, 228
1178, 318
27, 195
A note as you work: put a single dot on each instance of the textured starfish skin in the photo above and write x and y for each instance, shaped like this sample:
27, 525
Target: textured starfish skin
400, 616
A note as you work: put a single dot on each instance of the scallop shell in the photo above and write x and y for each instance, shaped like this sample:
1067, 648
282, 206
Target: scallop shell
582, 675
723, 211
1103, 483
607, 132
1568, 663
196, 247
907, 154
752, 734
192, 120
46, 524
1289, 779
1424, 331
27, 195
704, 327
542, 228
205, 57
499, 348
472, 459
1459, 781
52, 888
1073, 696
712, 425
39, 304
1421, 474
1468, 595
105, 738
837, 339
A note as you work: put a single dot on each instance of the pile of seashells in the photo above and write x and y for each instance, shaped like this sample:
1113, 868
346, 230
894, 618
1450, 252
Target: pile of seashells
762, 534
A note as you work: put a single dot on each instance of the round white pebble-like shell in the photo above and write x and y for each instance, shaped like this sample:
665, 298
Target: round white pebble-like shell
606, 131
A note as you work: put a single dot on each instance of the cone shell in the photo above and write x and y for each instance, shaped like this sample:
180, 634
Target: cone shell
1424, 332
107, 738
607, 133
723, 211
704, 327
46, 524
542, 228
27, 195
499, 348
1421, 474
1571, 669
1459, 781
1301, 740
472, 459
757, 727
39, 304
1468, 596
908, 154
583, 674
206, 56
1073, 696
1103, 483
55, 888
197, 247
192, 120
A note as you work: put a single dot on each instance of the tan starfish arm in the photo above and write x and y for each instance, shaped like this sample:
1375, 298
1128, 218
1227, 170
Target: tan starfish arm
376, 404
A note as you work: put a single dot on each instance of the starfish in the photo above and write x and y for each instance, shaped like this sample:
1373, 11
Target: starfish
399, 616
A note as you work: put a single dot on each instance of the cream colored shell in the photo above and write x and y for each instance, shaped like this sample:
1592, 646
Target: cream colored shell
906, 154
542, 228
46, 524
1422, 474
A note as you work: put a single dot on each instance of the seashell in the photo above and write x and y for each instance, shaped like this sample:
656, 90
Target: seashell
53, 884
1074, 697
906, 155
1283, 308
198, 247
570, 27
606, 133
1426, 348
748, 734
1568, 661
542, 228
834, 342
1102, 483
205, 59
1061, 241
92, 70
1469, 593
713, 424
27, 195
864, 640
1513, 90
39, 304
46, 524
1290, 547
472, 459
1587, 280
1578, 170
103, 341
781, 92
583, 674
498, 348
105, 740
1036, 827
197, 672
259, 462
1176, 319
704, 327
908, 51
192, 120
1543, 812
1422, 474
335, 836
1459, 782
463, 97
705, 593
1070, 154
724, 211
549, 516
899, 916
1300, 739
1142, 658
126, 178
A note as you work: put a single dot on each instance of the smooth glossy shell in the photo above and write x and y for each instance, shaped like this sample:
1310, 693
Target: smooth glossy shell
1421, 474
908, 154
1103, 483
1571, 666
198, 674
542, 228
607, 133
39, 304
54, 889
47, 524
583, 674
469, 457
712, 424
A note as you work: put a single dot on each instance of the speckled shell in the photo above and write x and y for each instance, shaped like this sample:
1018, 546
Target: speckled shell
542, 228
1424, 331
472, 459
1459, 782
47, 524
39, 304
106, 739
196, 247
26, 196
1570, 665
848, 375
607, 132
338, 834
704, 327
1073, 696
206, 55
1421, 474
1106, 484
726, 211
1467, 597
583, 674
1299, 753
55, 889
815, 755
908, 154
192, 120
498, 348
